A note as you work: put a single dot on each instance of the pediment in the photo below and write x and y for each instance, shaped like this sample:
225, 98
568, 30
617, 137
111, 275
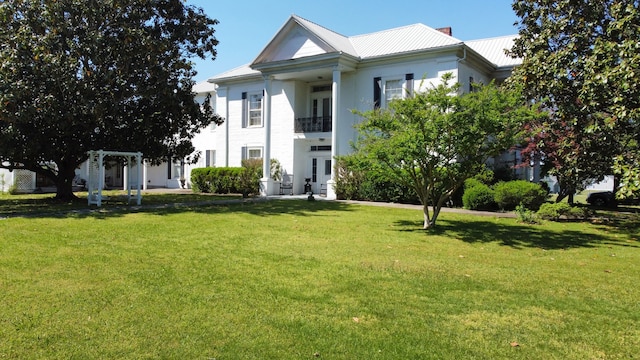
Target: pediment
293, 42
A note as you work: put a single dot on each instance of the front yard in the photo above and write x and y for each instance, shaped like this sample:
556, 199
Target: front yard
295, 279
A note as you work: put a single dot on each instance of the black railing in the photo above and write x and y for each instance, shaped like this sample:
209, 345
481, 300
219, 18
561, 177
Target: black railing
313, 124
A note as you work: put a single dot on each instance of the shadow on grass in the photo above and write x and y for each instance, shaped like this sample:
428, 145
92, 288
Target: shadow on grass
161, 206
475, 230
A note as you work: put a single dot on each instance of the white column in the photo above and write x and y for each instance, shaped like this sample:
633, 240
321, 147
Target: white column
138, 171
335, 111
266, 182
144, 175
125, 175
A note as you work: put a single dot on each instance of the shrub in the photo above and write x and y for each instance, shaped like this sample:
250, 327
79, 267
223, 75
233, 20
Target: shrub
360, 179
226, 180
249, 177
510, 194
557, 211
525, 215
199, 180
477, 196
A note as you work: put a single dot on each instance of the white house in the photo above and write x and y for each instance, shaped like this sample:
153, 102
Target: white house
294, 102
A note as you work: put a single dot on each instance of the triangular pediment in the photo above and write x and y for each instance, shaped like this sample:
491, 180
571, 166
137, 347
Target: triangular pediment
293, 41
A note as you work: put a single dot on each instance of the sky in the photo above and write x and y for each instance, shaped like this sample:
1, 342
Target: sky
247, 26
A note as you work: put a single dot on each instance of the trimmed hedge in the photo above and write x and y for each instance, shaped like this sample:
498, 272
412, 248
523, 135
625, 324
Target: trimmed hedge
510, 194
477, 196
226, 180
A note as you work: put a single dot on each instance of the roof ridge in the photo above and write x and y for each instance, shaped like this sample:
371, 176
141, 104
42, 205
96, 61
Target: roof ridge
512, 36
316, 24
387, 30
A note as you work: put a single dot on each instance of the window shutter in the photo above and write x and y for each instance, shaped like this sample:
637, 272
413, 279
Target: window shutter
244, 110
377, 92
244, 153
207, 160
409, 81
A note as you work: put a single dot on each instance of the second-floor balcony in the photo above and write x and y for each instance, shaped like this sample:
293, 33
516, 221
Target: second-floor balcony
313, 124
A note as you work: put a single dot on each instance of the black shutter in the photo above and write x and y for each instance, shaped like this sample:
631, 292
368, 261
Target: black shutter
409, 80
244, 110
377, 92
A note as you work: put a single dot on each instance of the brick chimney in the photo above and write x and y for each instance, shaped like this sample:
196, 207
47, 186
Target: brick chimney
446, 30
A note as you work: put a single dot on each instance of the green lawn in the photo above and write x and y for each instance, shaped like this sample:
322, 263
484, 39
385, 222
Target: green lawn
294, 279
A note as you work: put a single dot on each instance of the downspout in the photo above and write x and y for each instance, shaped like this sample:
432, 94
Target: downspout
464, 57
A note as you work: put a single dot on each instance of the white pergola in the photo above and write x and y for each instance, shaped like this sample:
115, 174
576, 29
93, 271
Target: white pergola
96, 174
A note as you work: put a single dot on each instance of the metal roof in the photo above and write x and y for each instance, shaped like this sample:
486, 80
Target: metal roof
401, 40
493, 49
406, 39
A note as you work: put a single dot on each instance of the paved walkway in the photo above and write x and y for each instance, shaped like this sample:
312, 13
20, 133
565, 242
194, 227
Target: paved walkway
367, 203
256, 199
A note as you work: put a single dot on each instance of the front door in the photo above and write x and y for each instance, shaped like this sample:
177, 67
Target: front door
320, 174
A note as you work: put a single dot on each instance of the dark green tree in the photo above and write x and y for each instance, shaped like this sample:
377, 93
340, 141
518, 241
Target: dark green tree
435, 140
581, 61
80, 75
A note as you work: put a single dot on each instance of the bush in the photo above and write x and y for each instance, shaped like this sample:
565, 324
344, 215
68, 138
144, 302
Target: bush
510, 194
228, 180
249, 179
359, 179
557, 211
525, 215
477, 196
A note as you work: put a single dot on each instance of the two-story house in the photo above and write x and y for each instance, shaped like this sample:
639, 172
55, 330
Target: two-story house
294, 102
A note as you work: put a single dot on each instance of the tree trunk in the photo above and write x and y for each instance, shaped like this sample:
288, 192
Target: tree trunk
64, 183
428, 222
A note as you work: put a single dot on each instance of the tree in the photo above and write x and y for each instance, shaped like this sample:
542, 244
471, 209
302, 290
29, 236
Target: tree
581, 61
79, 75
435, 140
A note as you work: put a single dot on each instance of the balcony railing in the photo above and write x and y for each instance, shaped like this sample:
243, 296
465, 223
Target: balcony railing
313, 124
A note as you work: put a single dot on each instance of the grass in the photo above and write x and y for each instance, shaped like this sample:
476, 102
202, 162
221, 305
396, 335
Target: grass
28, 204
294, 279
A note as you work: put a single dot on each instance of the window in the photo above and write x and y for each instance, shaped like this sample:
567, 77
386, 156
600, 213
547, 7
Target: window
386, 90
254, 153
251, 152
210, 158
392, 90
255, 110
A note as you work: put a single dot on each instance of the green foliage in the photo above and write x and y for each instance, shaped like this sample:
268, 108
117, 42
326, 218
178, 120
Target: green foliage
249, 181
87, 75
562, 210
359, 179
525, 215
435, 140
228, 180
349, 178
582, 61
510, 194
478, 196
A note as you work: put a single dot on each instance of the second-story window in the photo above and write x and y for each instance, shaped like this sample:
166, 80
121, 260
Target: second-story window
255, 110
392, 90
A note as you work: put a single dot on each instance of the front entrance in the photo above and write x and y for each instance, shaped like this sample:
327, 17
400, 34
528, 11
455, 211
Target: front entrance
320, 174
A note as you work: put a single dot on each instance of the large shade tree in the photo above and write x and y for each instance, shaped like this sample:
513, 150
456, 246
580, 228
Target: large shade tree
434, 140
78, 75
582, 62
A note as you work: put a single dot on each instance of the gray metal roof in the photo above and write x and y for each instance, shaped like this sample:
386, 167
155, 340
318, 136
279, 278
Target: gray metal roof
401, 40
406, 39
493, 49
